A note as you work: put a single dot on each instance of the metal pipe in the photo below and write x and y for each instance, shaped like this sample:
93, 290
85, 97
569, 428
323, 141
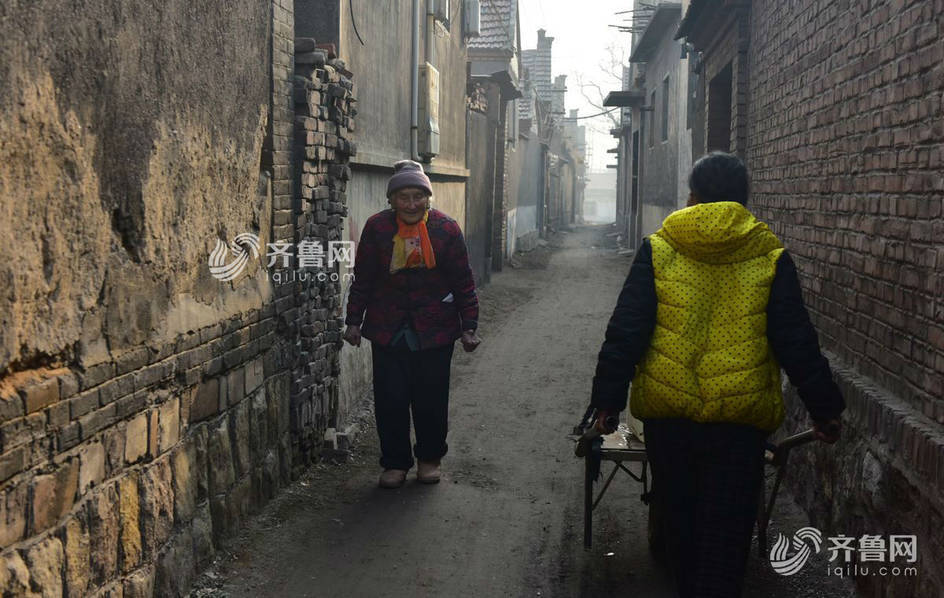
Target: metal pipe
415, 83
430, 29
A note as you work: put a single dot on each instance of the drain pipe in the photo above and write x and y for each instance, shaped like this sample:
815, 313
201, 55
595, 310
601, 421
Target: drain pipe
415, 83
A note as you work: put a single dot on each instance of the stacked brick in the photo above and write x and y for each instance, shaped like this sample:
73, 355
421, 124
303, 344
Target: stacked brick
124, 478
324, 110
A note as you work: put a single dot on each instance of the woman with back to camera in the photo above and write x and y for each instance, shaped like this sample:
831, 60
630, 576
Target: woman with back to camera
710, 312
412, 277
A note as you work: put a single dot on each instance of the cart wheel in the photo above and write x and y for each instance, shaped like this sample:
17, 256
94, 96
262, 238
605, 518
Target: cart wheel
656, 531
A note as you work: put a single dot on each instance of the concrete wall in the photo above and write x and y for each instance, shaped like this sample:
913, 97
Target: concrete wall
382, 135
659, 187
527, 191
383, 130
482, 131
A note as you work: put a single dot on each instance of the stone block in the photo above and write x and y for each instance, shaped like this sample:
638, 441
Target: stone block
13, 462
76, 546
183, 461
134, 403
131, 360
206, 400
235, 386
68, 385
45, 559
239, 503
113, 439
20, 431
202, 529
96, 374
13, 514
257, 421
57, 414
304, 44
139, 584
221, 472
11, 406
169, 433
97, 420
154, 431
239, 421
157, 506
219, 515
254, 376
200, 468
39, 394
83, 403
173, 571
129, 509
91, 466
53, 495
136, 438
104, 527
14, 575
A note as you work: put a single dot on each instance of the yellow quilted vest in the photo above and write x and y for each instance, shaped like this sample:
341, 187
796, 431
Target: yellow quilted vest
709, 360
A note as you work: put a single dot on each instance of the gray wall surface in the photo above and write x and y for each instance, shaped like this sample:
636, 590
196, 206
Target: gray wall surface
658, 187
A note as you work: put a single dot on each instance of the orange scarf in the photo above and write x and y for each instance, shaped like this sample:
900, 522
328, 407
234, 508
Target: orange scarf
411, 246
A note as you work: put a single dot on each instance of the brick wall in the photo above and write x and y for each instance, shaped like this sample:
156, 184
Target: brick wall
846, 145
123, 477
846, 151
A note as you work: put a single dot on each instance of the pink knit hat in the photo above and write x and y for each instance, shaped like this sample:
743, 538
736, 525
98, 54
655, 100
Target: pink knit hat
407, 173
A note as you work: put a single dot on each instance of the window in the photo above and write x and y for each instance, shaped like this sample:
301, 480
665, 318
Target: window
665, 108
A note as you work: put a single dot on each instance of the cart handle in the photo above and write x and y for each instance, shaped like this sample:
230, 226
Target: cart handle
591, 434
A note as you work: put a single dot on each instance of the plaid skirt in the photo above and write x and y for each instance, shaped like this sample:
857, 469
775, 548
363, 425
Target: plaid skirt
707, 479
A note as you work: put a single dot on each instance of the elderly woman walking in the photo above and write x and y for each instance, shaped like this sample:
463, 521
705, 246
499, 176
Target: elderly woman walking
413, 278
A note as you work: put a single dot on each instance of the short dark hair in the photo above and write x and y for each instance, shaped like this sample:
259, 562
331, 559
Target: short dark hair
719, 177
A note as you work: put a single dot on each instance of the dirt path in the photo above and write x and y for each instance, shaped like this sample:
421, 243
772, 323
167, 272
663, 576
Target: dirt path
506, 520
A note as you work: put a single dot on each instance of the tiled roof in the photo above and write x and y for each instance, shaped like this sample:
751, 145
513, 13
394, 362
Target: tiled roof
497, 25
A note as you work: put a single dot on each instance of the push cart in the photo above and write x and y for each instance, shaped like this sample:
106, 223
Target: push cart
625, 450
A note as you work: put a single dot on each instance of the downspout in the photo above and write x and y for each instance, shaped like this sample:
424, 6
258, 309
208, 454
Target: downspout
415, 83
643, 144
430, 30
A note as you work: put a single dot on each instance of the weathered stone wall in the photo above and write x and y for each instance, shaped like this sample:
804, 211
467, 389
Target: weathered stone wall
147, 408
846, 145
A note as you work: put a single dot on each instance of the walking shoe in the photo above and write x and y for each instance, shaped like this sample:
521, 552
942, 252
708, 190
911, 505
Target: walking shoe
428, 472
392, 478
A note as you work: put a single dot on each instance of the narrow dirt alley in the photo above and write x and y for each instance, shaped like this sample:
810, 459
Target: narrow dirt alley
506, 519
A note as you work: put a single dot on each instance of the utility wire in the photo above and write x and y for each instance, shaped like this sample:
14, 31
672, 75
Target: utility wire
593, 115
350, 5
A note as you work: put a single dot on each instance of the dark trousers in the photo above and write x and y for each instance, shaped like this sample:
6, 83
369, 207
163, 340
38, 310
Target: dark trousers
707, 478
406, 381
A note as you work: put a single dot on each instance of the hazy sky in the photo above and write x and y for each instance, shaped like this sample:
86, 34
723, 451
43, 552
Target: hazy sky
582, 51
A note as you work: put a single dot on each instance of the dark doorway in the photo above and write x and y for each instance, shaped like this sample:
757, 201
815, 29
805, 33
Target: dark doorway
719, 111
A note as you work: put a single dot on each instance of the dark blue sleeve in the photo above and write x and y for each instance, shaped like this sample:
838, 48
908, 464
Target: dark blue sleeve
795, 344
627, 334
